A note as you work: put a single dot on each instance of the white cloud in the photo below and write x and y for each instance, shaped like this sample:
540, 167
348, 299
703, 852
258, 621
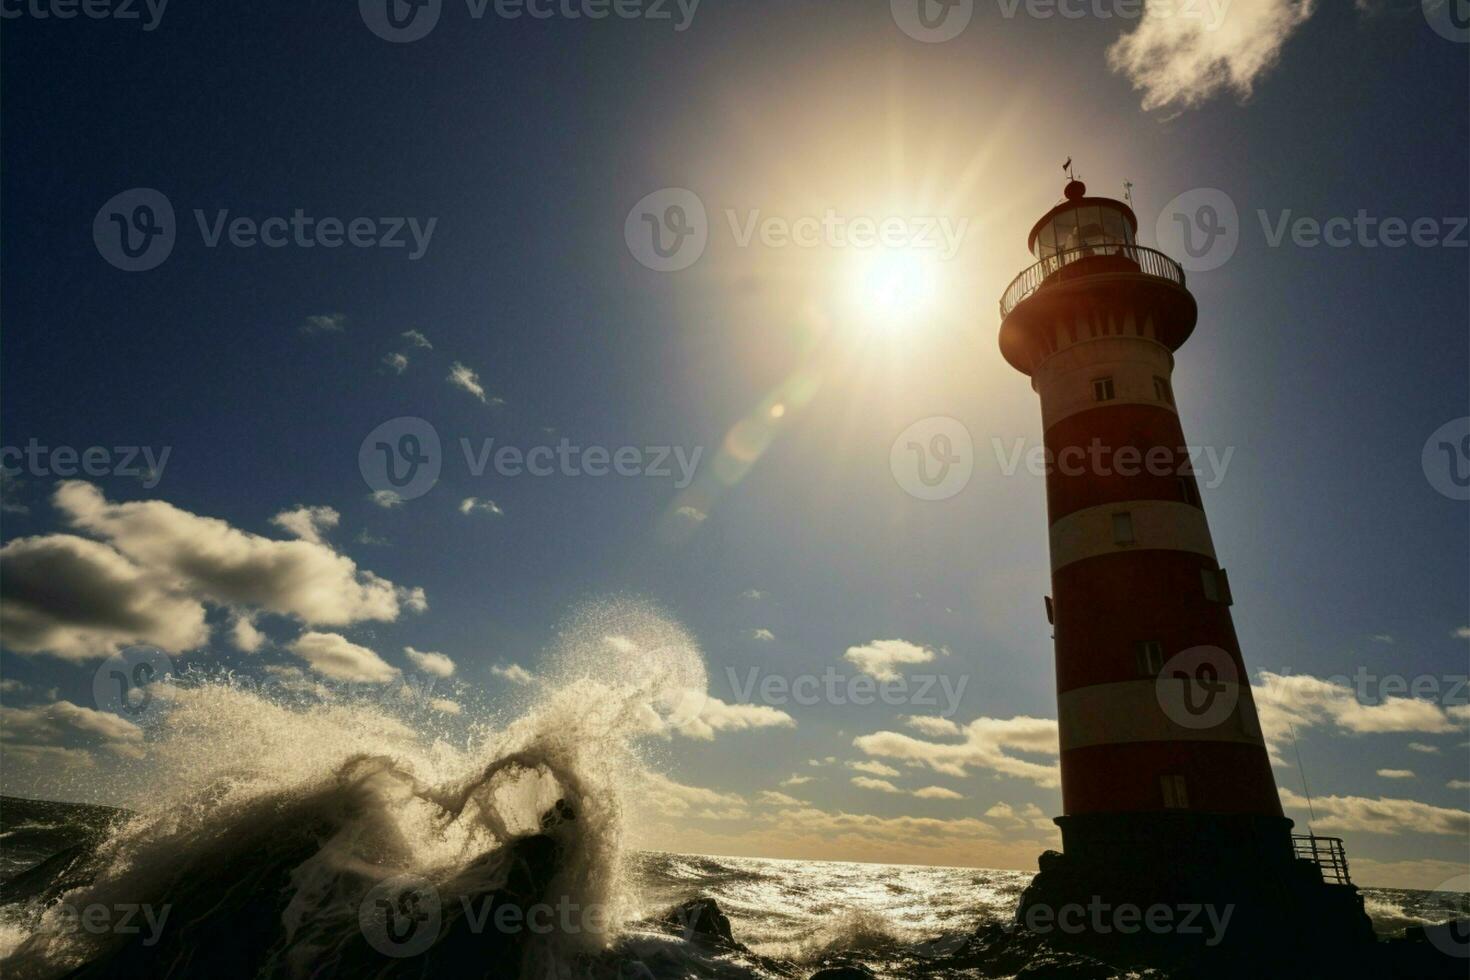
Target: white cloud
1421, 747
931, 726
717, 716
397, 362
1396, 773
324, 323
307, 523
79, 599
463, 377
777, 799
881, 785
1458, 784
762, 635
474, 505
677, 799
796, 779
445, 706
1462, 633
873, 768
243, 634
54, 722
430, 662
1030, 816
205, 559
758, 594
1382, 638
692, 514
514, 673
880, 657
985, 745
1380, 816
417, 339
385, 499
334, 656
1301, 701
1181, 55
937, 793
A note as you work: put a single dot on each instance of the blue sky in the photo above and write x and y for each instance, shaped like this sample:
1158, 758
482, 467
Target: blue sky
1322, 369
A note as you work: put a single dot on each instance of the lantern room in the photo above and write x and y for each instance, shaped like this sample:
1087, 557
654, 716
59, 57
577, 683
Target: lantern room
1096, 225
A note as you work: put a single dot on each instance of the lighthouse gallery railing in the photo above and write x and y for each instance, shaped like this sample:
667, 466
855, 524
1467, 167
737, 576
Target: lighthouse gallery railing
1327, 853
1149, 262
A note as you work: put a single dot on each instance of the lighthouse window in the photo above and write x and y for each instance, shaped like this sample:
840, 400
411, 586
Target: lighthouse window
1123, 528
1217, 585
1162, 391
1176, 793
1150, 656
1102, 389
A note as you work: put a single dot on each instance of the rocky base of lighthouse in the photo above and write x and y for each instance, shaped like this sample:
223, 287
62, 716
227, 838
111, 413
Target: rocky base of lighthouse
1215, 916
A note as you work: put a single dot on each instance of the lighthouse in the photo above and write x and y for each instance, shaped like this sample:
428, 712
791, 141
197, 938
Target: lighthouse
1167, 790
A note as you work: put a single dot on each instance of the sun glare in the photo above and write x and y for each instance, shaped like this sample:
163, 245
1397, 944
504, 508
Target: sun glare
892, 289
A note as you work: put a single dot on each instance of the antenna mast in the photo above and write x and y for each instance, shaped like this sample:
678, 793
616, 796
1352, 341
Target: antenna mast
1311, 814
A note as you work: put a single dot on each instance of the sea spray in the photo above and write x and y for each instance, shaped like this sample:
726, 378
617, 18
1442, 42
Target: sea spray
282, 808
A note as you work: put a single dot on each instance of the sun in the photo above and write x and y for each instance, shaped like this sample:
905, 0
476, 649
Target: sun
892, 289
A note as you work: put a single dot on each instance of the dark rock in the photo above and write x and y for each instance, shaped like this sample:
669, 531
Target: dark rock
700, 919
1066, 966
845, 973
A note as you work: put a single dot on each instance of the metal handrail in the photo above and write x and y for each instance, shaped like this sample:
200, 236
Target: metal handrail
1327, 853
1149, 261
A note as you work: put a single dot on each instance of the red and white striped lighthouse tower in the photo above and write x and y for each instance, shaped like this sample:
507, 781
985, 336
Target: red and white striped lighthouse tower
1167, 788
